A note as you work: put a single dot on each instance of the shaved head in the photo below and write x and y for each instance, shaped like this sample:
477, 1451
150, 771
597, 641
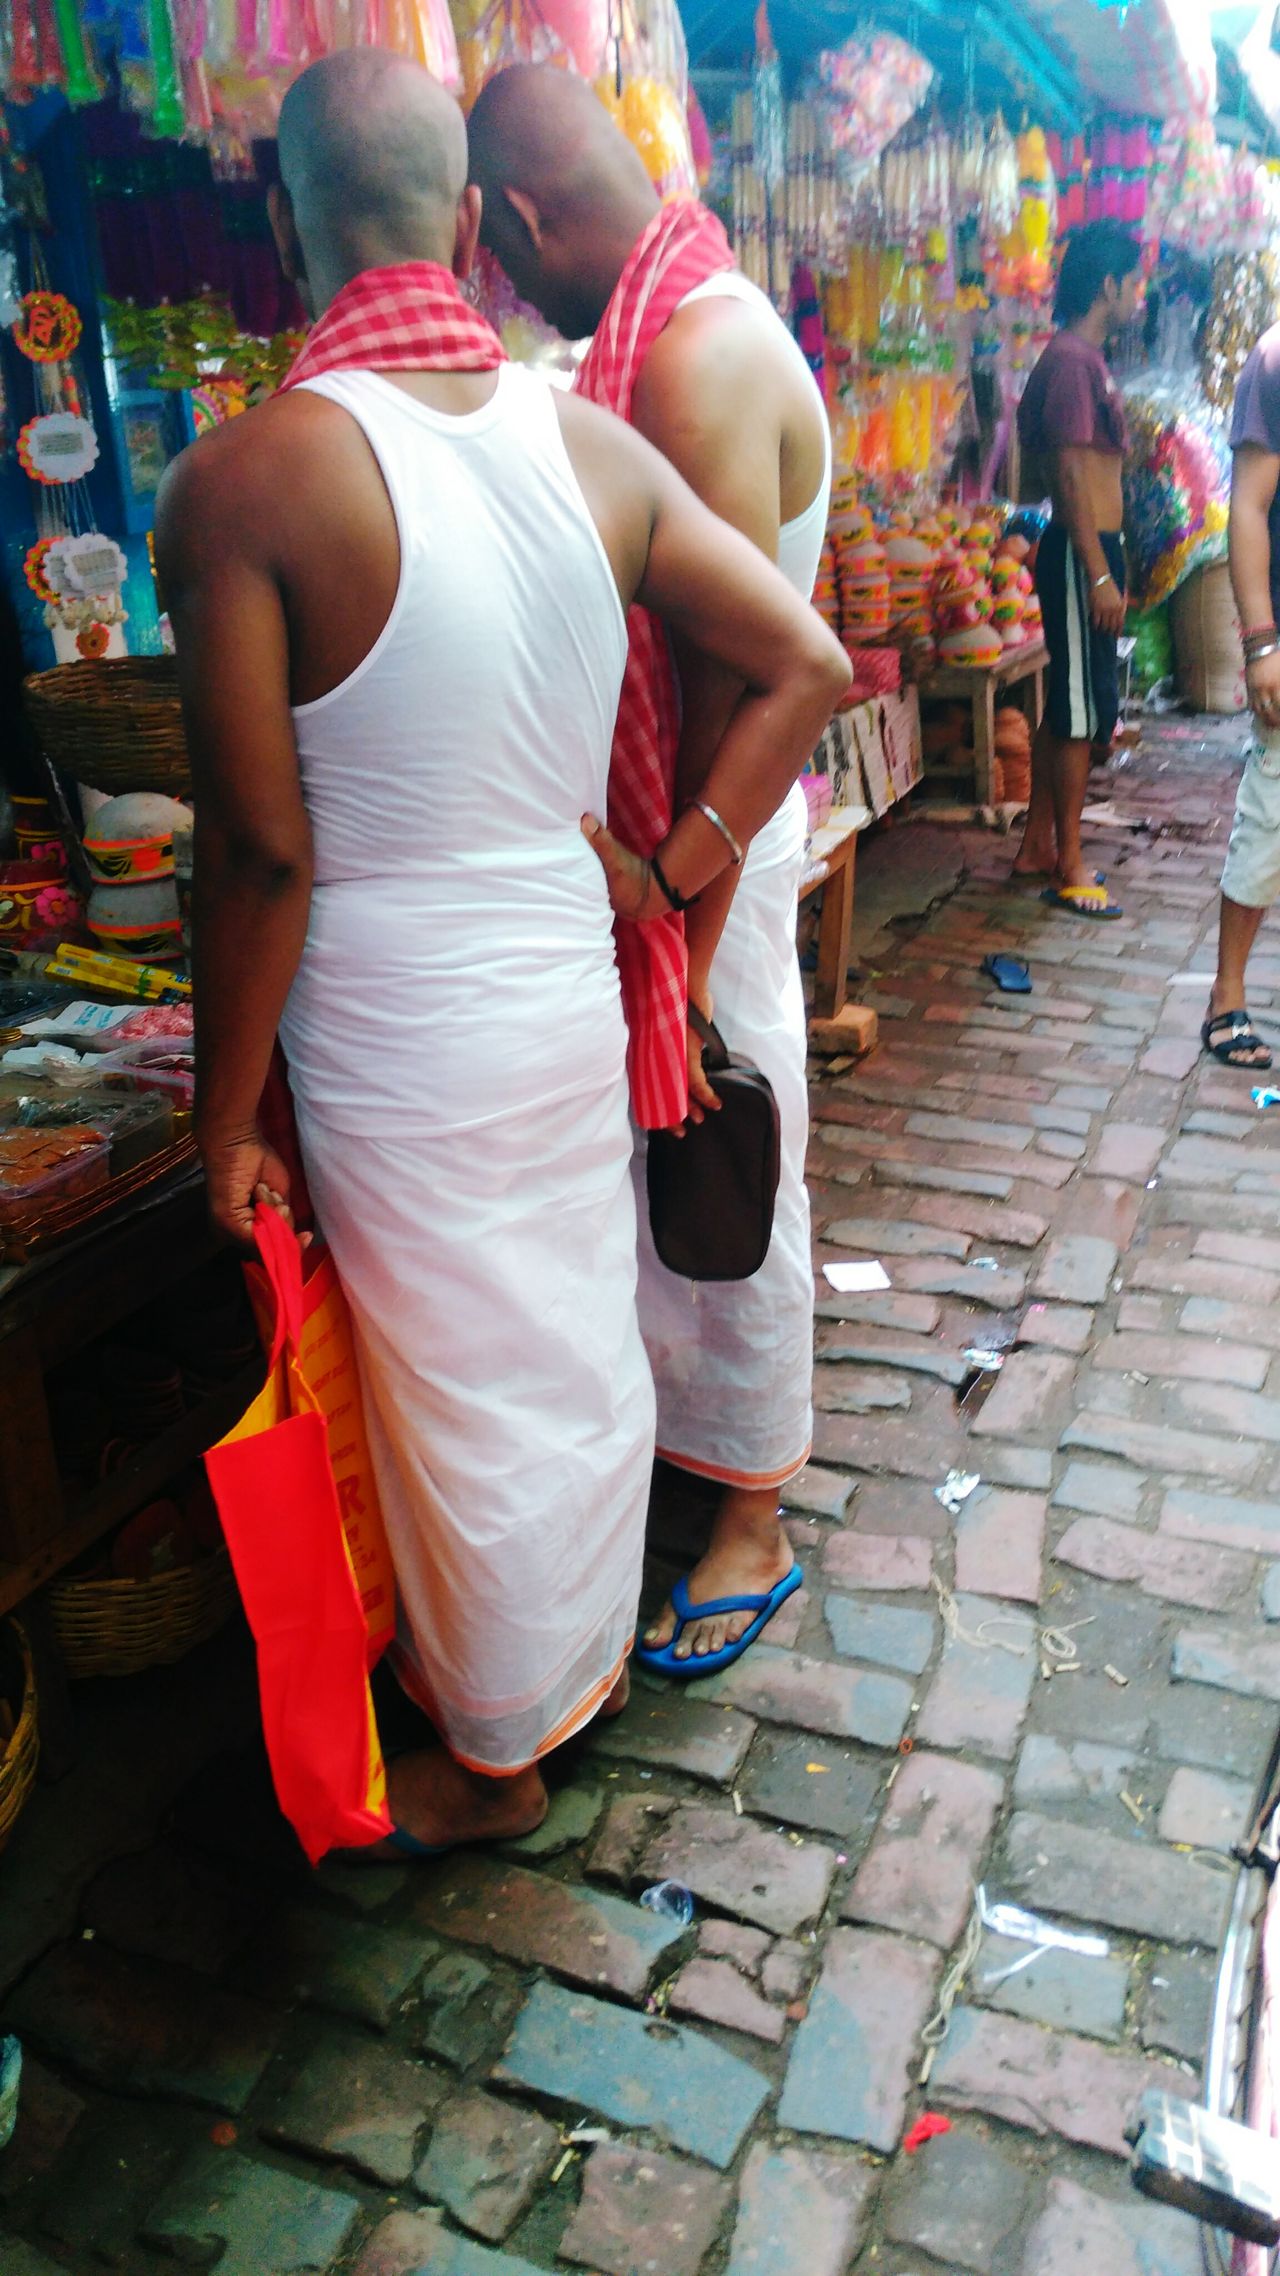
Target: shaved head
565, 194
373, 158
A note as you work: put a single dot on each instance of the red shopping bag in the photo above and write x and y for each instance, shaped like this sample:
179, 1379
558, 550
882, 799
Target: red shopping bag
296, 1494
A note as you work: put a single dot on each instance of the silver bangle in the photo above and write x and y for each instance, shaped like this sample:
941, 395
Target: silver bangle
1105, 579
1256, 658
718, 823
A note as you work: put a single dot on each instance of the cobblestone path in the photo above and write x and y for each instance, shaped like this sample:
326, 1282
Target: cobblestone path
503, 2064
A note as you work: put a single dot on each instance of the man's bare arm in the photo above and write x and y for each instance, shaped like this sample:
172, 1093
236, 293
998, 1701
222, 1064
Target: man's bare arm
253, 842
1255, 475
701, 403
717, 591
1106, 601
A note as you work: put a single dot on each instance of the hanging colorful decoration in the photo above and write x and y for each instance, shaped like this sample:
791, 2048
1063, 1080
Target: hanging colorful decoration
1176, 486
213, 402
210, 69
868, 90
48, 327
1243, 303
57, 447
86, 563
73, 568
33, 569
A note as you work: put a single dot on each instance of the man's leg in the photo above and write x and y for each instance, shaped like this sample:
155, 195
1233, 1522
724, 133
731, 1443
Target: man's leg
1070, 790
1237, 932
748, 1555
1037, 856
436, 1799
1250, 885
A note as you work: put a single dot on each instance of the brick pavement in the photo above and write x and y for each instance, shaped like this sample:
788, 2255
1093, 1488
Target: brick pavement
502, 2064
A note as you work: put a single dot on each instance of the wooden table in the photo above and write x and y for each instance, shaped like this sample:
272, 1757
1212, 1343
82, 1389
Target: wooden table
829, 870
1020, 668
51, 1309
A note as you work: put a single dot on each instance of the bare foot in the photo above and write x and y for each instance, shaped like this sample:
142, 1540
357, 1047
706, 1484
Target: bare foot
432, 1797
748, 1555
1077, 874
1036, 857
617, 1698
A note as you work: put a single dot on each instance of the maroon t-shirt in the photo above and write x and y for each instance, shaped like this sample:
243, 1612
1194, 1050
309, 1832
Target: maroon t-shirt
1256, 419
1071, 401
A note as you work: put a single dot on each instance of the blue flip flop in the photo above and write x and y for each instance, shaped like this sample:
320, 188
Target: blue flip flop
660, 1659
1011, 974
409, 1845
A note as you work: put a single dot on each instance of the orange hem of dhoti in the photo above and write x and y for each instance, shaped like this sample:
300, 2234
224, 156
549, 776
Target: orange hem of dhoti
751, 1481
407, 1678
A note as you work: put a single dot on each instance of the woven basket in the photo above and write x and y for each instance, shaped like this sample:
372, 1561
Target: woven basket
115, 1627
116, 725
18, 1762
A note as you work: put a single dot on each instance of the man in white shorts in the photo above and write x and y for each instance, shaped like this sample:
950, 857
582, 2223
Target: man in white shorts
1251, 877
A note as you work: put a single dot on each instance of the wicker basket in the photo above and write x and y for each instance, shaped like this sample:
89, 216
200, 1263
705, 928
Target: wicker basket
18, 1762
116, 725
120, 1627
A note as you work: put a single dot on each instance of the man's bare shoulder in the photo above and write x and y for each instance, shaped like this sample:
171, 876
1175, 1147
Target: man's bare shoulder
720, 339
596, 438
720, 363
239, 468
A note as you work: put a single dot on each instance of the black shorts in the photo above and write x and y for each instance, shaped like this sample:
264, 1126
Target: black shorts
1083, 702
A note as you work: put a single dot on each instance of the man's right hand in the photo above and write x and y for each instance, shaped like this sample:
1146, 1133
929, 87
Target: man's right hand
1107, 607
1263, 682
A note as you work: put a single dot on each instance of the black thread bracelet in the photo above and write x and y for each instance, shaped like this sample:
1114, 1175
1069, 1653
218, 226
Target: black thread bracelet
679, 901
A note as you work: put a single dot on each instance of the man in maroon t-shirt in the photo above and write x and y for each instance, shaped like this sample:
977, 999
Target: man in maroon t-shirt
1251, 877
1071, 423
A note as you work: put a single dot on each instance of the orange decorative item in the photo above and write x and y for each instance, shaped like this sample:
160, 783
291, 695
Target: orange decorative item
93, 641
49, 328
34, 572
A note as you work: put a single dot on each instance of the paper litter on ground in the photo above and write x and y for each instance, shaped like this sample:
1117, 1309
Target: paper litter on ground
856, 1279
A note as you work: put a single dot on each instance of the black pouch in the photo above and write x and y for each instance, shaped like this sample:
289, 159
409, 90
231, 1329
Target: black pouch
712, 1191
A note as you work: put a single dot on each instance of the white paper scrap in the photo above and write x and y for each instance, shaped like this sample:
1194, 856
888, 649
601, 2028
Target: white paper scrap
856, 1279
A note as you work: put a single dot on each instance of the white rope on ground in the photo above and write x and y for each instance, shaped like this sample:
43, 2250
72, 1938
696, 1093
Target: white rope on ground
939, 2023
1056, 1645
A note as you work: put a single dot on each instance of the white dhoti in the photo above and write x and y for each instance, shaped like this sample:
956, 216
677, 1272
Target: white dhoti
733, 1360
456, 1051
509, 1408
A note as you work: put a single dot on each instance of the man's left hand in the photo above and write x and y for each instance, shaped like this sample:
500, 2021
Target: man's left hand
634, 892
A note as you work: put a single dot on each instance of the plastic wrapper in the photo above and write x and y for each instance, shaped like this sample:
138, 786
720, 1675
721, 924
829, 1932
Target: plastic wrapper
1177, 484
1191, 203
1153, 648
1001, 196
867, 90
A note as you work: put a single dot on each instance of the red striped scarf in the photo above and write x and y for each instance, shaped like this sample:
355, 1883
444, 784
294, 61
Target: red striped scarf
681, 248
408, 318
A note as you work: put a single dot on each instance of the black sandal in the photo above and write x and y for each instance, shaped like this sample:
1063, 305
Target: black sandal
1242, 1039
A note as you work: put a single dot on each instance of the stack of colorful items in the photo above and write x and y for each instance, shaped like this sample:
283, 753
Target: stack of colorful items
944, 586
826, 593
864, 589
1104, 179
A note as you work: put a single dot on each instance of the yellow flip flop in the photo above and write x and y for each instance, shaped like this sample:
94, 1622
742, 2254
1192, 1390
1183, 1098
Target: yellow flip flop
1083, 901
